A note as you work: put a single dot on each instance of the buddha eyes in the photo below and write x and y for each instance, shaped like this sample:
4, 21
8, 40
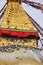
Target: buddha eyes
25, 40
12, 40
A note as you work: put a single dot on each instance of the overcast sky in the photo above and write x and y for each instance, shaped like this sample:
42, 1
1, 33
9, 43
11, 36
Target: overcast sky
38, 1
2, 2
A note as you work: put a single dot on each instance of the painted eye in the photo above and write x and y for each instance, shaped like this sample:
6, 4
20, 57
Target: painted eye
15, 40
11, 40
25, 40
